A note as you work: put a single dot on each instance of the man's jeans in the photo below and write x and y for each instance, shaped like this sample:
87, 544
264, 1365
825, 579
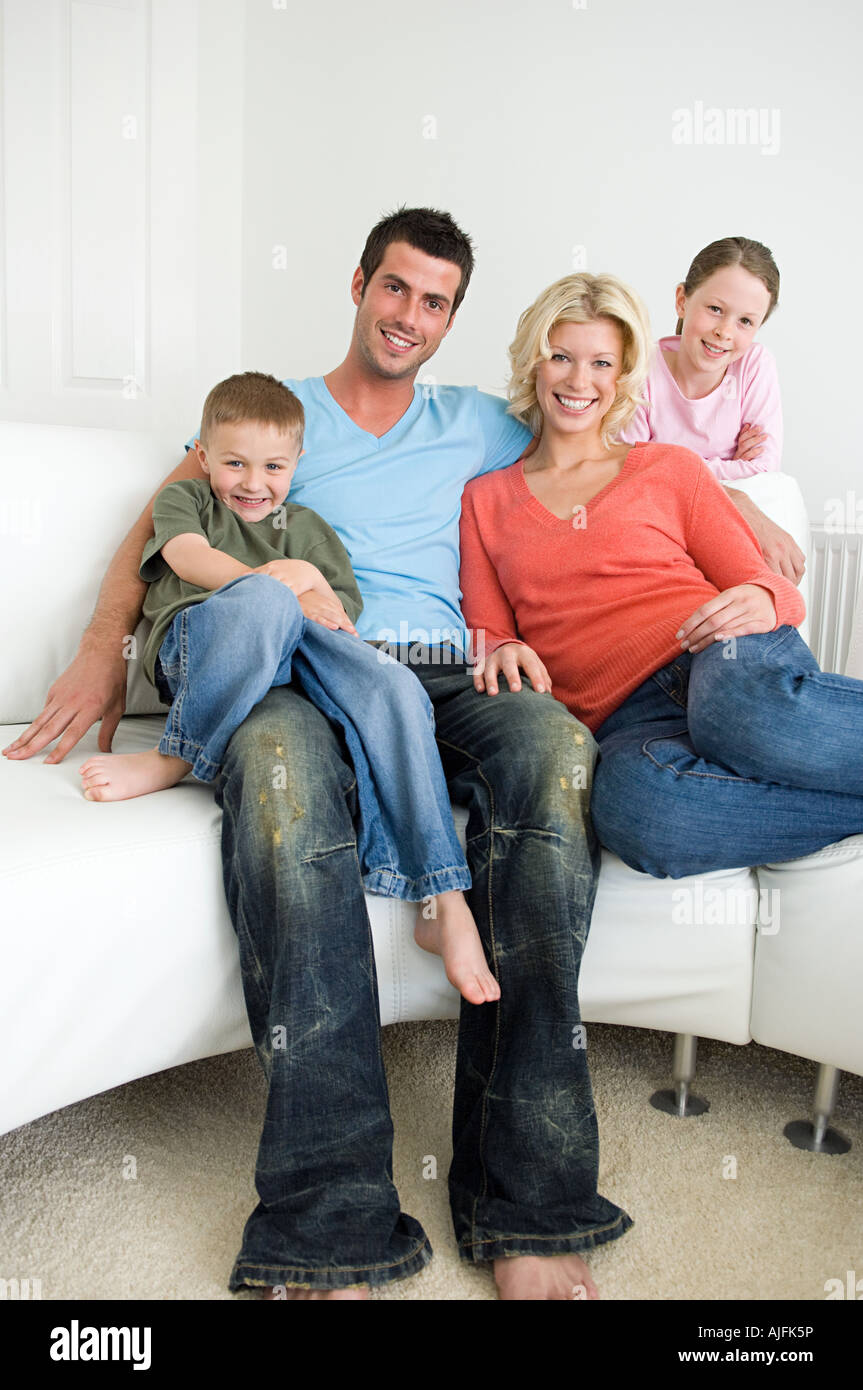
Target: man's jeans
523, 1178
220, 657
746, 753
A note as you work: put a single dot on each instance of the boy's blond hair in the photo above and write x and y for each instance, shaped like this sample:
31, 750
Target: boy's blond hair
253, 396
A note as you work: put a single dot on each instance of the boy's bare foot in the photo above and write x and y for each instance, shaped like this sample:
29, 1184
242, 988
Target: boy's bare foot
531, 1277
119, 776
278, 1292
452, 933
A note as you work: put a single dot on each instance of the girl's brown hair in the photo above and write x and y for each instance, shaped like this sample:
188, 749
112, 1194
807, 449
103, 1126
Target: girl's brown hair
734, 250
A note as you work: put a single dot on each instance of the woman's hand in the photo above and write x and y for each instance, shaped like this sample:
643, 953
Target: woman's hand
733, 613
508, 658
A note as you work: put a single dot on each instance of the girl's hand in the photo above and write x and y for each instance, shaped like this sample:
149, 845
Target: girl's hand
733, 613
326, 611
508, 658
750, 442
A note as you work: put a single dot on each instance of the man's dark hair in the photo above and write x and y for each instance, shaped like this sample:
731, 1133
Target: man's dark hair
426, 230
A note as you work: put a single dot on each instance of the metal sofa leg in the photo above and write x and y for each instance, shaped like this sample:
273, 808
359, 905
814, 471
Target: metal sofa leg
817, 1136
680, 1101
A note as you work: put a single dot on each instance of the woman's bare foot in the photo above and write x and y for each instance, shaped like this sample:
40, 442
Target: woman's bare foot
119, 776
284, 1291
532, 1277
452, 933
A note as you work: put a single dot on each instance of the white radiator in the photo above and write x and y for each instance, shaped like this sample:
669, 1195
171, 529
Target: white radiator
836, 589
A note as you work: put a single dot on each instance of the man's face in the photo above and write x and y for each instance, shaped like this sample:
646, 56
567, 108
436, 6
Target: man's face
250, 466
405, 311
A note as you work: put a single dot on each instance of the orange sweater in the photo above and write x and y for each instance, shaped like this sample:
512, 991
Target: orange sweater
599, 598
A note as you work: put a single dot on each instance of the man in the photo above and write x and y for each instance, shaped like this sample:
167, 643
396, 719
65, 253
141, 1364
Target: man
385, 463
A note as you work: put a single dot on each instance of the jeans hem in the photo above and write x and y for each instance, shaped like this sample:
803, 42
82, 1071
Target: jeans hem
253, 1276
498, 1247
203, 770
388, 883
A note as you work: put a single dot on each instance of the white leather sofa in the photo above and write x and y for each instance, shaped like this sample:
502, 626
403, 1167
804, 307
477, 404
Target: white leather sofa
118, 955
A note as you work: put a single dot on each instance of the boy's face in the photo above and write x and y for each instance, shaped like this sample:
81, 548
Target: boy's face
250, 466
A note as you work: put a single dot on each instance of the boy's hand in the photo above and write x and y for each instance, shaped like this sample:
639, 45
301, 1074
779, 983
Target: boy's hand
326, 611
733, 613
750, 442
298, 575
508, 658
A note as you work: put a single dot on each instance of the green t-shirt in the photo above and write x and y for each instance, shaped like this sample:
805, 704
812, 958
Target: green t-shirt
290, 532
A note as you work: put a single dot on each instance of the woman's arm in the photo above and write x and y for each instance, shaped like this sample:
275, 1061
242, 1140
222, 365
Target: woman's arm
488, 615
727, 553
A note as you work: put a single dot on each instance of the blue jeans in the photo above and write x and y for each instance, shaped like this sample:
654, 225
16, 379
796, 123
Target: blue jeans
746, 753
523, 1177
221, 656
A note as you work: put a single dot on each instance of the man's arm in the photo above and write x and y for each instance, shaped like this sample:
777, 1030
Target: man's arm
94, 686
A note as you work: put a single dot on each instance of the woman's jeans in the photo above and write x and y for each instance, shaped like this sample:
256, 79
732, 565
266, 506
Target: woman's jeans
524, 1170
221, 656
746, 753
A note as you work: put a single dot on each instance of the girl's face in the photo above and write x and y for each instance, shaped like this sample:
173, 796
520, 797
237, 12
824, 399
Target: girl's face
576, 387
721, 317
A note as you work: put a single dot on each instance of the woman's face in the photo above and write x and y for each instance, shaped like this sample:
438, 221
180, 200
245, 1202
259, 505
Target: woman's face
576, 387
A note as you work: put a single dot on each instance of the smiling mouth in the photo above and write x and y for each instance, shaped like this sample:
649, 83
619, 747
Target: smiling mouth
400, 344
575, 405
251, 501
713, 350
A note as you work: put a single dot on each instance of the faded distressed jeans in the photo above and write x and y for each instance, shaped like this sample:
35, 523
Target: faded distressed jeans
746, 753
523, 1178
220, 657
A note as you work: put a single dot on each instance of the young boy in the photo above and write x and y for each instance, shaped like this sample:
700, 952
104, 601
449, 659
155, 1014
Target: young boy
247, 592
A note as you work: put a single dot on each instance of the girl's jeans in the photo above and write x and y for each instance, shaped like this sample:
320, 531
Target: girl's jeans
221, 656
746, 753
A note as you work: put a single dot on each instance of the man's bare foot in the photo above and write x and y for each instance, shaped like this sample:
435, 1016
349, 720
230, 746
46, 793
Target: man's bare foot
452, 933
284, 1291
531, 1277
119, 776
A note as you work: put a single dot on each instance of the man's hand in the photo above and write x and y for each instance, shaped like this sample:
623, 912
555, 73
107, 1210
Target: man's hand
329, 612
750, 442
508, 658
781, 552
733, 613
93, 687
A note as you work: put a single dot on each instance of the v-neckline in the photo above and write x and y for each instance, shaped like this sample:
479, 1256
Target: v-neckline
379, 439
550, 518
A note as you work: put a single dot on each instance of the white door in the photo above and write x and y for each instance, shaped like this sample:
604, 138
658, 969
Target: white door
120, 206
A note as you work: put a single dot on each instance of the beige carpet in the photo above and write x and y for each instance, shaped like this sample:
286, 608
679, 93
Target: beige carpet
786, 1224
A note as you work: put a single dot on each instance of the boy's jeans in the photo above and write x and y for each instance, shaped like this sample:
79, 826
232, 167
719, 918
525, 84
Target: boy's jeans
523, 1178
746, 753
221, 656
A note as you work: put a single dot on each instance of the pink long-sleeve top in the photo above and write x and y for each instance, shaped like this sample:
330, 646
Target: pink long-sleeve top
601, 597
748, 393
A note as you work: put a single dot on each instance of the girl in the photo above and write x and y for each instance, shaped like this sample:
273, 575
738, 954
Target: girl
711, 387
651, 613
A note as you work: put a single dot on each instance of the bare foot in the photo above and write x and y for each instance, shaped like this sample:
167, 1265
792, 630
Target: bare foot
119, 776
284, 1291
452, 933
531, 1277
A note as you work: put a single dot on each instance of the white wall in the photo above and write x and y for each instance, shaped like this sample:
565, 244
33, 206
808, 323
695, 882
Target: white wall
554, 131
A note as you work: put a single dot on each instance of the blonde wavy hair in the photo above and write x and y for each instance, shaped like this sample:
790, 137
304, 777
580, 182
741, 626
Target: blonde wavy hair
581, 298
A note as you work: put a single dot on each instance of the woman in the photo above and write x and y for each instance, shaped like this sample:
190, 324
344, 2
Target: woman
624, 580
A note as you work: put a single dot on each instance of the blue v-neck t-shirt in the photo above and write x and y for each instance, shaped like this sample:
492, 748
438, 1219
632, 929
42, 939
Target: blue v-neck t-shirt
395, 502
